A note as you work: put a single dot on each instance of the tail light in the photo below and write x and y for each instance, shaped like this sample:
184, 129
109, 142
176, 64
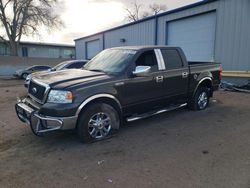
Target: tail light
220, 73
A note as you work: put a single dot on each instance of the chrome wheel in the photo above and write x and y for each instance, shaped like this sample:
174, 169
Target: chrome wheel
99, 125
203, 100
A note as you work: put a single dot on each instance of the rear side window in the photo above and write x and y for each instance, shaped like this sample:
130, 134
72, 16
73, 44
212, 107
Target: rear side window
172, 59
40, 68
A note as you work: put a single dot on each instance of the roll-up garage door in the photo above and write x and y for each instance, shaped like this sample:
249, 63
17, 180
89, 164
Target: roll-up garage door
93, 48
196, 36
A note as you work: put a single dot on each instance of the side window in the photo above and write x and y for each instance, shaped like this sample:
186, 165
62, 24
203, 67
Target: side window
36, 68
41, 68
71, 66
31, 69
76, 65
148, 59
45, 67
172, 59
79, 65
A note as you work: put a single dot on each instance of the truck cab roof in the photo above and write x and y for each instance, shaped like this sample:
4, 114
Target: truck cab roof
144, 47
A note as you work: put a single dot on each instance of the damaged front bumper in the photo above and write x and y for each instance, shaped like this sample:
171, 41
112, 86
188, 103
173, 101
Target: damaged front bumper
40, 123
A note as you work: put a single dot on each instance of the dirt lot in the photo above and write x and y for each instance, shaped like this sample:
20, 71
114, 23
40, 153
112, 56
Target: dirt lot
177, 149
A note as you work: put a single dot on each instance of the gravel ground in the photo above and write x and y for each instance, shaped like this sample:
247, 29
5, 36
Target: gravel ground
177, 149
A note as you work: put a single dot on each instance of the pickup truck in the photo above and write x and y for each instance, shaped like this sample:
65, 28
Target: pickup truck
119, 84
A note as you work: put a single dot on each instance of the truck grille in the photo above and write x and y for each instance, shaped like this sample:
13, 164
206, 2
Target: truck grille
37, 91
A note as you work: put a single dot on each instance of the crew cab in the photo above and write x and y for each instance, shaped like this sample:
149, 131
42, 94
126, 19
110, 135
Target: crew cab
123, 83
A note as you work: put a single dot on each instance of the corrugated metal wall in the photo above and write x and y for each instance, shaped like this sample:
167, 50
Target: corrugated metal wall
47, 51
39, 51
233, 34
232, 42
138, 34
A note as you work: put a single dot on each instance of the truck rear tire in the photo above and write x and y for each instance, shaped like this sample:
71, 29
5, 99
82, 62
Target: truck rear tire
200, 100
97, 122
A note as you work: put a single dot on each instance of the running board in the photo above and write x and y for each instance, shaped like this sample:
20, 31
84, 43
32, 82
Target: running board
152, 113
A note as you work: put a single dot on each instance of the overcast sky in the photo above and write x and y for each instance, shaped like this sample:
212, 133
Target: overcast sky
84, 17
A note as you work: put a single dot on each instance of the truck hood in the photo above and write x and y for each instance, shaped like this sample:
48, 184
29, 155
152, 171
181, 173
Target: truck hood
68, 78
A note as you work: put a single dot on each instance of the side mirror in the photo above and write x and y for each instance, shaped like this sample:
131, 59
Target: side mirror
141, 71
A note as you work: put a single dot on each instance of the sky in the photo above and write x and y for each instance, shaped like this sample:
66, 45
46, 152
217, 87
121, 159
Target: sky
85, 17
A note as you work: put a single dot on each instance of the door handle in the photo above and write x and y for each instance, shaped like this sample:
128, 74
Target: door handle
159, 79
184, 74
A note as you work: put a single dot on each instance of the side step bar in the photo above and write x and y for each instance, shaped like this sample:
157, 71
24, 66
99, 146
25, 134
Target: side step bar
152, 113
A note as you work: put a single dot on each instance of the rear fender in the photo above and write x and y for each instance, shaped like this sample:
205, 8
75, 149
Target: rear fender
205, 81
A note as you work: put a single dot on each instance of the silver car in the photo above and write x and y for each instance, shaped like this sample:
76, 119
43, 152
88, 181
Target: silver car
72, 64
23, 73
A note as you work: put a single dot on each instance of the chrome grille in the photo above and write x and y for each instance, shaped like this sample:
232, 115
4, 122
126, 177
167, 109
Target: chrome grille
37, 91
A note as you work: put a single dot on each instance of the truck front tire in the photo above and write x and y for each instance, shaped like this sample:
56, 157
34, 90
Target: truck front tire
200, 100
97, 122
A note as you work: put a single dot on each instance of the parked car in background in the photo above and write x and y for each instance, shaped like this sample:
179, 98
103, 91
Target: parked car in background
23, 73
72, 64
126, 83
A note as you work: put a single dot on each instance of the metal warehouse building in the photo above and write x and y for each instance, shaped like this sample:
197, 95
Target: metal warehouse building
210, 30
39, 50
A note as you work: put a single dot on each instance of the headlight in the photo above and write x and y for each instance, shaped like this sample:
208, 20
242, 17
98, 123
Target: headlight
62, 97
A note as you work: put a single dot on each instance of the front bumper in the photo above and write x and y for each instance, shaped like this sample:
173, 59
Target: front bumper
40, 123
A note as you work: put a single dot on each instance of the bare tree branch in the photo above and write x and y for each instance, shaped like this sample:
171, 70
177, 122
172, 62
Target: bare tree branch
26, 17
134, 12
157, 8
6, 4
3, 39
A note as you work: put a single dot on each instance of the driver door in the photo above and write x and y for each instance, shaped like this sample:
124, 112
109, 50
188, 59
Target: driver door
145, 93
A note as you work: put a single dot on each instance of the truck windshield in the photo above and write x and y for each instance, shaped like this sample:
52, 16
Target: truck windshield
110, 61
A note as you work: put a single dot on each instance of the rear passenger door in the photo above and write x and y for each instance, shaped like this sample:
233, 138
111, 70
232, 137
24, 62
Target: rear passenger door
175, 76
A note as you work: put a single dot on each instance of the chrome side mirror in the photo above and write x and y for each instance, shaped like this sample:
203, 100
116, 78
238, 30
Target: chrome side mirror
141, 71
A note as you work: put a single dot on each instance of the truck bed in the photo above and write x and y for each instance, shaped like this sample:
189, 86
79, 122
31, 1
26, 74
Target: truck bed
201, 62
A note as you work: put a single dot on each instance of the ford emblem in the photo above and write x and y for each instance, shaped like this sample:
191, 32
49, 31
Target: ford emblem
34, 90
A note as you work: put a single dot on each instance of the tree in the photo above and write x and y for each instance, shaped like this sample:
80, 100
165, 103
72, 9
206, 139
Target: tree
24, 17
157, 8
134, 13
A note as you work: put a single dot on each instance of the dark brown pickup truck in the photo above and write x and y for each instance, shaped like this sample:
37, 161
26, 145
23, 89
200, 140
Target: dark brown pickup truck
125, 83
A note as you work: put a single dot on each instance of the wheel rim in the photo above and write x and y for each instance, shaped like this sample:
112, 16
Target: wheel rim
203, 100
99, 125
